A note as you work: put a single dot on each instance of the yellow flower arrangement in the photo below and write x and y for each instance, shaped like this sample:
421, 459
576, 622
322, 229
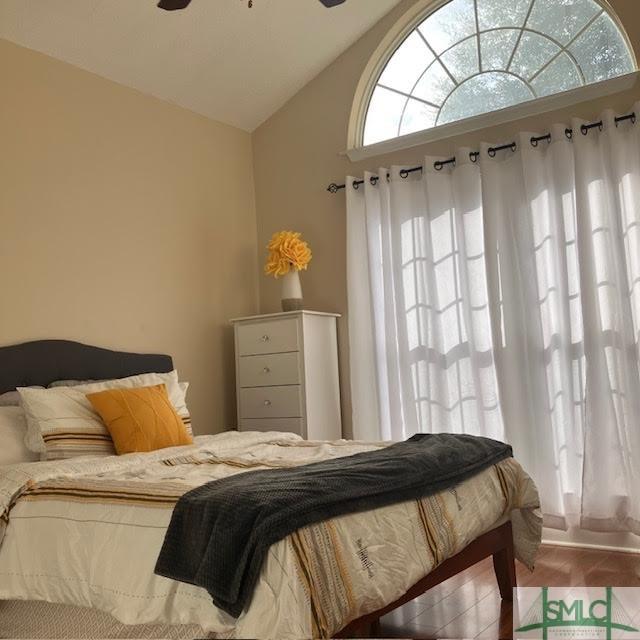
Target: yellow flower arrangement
287, 251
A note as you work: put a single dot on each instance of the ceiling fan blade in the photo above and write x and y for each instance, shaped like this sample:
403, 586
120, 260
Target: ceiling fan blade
173, 5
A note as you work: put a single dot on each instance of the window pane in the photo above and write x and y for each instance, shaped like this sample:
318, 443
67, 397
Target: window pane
562, 19
448, 25
525, 49
497, 47
407, 64
383, 117
532, 54
435, 85
417, 117
498, 13
560, 75
483, 93
601, 52
462, 60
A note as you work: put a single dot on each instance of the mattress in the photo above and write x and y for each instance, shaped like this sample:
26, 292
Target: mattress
87, 533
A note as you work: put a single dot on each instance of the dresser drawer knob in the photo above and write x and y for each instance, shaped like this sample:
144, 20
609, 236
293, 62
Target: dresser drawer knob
265, 338
266, 370
267, 403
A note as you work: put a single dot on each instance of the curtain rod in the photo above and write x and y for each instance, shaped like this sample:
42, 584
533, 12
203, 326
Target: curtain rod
438, 165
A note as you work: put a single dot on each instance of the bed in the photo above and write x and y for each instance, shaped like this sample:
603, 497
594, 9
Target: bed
79, 538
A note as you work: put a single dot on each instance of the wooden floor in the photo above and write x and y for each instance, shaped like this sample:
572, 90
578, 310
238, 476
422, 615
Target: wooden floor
469, 606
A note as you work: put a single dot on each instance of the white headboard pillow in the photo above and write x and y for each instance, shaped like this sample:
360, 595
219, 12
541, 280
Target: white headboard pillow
13, 427
11, 398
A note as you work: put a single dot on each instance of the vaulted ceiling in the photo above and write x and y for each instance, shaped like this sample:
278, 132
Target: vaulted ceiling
218, 57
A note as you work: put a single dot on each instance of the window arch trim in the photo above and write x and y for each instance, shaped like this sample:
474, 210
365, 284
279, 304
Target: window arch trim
409, 22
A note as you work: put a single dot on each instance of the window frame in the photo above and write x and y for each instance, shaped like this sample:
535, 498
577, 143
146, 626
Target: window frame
396, 36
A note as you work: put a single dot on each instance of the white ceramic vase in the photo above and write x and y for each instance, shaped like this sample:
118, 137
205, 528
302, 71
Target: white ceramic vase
291, 291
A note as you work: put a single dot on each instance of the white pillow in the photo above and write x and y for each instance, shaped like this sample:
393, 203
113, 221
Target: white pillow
12, 398
13, 428
61, 423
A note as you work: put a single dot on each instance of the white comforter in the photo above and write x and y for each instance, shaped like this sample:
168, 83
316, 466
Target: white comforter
87, 532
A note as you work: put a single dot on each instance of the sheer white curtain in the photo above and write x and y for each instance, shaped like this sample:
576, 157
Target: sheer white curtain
502, 298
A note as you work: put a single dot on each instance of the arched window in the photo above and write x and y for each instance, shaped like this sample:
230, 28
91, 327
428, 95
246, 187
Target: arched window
475, 56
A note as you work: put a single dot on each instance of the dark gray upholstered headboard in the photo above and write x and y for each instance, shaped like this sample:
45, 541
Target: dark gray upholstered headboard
45, 361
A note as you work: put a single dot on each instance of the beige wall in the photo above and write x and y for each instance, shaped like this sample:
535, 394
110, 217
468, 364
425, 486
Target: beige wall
124, 222
130, 223
296, 154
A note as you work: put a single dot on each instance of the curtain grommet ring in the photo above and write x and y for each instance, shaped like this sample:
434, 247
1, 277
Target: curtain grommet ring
374, 180
631, 118
493, 150
569, 134
439, 165
356, 185
585, 128
473, 156
404, 174
535, 140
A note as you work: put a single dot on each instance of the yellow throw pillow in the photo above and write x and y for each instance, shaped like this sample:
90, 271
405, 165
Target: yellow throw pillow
140, 419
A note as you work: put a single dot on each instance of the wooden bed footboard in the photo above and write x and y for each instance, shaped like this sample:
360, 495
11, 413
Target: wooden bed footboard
497, 543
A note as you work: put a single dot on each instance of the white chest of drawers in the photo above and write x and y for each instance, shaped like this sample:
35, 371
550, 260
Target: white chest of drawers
287, 374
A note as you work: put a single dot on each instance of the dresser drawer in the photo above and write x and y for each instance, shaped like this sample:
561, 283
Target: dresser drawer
269, 336
273, 370
289, 425
271, 402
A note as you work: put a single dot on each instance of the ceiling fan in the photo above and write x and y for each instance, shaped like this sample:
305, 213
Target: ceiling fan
175, 5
